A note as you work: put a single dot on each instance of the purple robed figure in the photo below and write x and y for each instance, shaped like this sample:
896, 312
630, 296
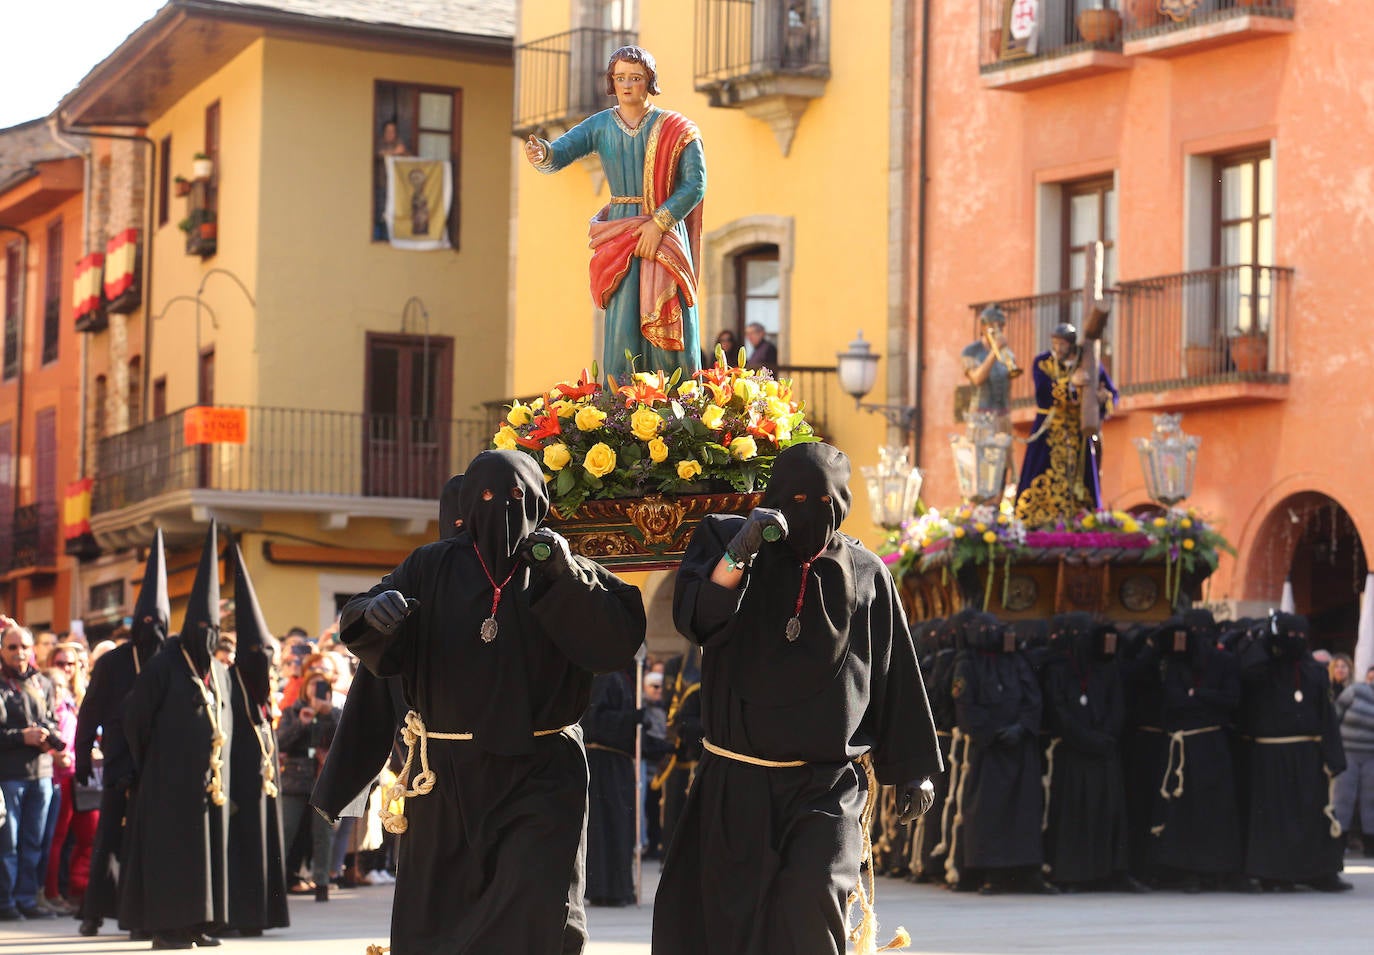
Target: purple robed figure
1059, 477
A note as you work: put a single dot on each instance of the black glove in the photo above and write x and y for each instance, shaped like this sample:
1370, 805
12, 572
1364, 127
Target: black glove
553, 559
1011, 735
751, 536
84, 772
385, 611
918, 795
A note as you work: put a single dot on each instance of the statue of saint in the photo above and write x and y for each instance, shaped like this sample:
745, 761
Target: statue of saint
646, 242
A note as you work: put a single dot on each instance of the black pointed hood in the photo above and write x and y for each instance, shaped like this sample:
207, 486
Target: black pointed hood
252, 659
449, 507
152, 615
819, 474
200, 627
501, 499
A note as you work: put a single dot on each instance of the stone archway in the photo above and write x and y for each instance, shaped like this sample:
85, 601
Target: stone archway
718, 275
1311, 540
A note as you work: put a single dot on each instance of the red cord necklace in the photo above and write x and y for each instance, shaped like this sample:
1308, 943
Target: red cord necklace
793, 630
489, 624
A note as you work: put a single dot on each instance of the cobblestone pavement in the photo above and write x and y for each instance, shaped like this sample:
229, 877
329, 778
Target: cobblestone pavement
942, 924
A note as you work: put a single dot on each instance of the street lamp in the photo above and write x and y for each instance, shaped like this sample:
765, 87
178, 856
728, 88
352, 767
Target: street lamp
1169, 459
857, 370
893, 487
980, 458
200, 305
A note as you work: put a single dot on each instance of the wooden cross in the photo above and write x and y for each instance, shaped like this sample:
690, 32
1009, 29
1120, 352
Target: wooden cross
1096, 308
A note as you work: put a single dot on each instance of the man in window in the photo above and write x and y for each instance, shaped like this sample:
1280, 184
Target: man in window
762, 352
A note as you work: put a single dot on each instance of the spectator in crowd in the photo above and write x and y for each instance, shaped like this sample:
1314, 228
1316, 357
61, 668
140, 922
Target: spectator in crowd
43, 645
727, 341
63, 814
1354, 796
225, 649
304, 737
655, 750
28, 737
1341, 669
762, 352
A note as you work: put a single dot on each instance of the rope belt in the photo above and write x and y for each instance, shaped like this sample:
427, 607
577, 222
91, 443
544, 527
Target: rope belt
954, 806
1329, 810
415, 732
626, 200
944, 733
609, 749
673, 765
1178, 746
865, 934
1046, 779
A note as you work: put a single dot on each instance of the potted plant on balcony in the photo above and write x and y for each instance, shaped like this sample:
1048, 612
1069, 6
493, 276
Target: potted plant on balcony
181, 186
202, 166
1142, 14
1250, 349
1099, 23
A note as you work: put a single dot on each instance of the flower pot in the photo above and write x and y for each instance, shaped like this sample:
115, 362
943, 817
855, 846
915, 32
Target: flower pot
994, 51
182, 188
1250, 352
1099, 26
1142, 14
1199, 361
202, 168
209, 230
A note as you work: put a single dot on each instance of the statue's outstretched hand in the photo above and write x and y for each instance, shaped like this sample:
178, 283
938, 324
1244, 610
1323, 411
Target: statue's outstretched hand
535, 151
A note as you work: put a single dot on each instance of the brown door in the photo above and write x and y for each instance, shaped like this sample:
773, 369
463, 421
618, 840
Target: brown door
405, 426
205, 395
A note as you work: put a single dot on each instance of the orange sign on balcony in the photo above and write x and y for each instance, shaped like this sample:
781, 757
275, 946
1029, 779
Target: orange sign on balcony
206, 425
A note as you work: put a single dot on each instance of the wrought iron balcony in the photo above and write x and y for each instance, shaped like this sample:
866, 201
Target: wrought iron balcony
745, 41
1023, 46
1224, 326
1175, 27
560, 79
32, 538
289, 453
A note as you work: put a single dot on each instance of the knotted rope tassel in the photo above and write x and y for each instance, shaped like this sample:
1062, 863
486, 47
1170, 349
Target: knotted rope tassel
865, 934
1047, 779
952, 867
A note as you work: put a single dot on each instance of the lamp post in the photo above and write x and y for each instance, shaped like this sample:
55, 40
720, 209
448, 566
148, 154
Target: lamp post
1169, 459
857, 370
200, 305
893, 487
980, 458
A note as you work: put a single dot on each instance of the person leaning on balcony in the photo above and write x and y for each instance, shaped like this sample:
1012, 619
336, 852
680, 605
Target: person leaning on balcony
495, 634
990, 377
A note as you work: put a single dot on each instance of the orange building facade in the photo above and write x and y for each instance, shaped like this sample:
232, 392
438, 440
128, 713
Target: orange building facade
42, 230
1212, 152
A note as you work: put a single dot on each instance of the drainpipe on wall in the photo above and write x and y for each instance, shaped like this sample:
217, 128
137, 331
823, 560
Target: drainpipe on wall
916, 358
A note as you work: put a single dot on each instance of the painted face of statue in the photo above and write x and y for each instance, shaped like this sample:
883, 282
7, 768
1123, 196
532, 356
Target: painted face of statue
631, 82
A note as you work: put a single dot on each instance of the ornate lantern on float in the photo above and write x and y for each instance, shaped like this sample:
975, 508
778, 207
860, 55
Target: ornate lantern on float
893, 487
981, 456
1169, 459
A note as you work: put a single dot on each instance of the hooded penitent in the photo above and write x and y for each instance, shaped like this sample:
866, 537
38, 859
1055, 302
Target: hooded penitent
449, 517
1288, 635
501, 499
200, 627
810, 485
252, 659
152, 611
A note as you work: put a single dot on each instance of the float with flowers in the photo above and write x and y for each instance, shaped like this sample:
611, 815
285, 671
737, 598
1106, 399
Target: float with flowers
632, 466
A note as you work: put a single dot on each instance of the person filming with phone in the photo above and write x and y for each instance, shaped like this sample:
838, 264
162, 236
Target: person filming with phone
304, 737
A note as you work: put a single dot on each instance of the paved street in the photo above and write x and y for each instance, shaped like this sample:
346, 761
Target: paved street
943, 924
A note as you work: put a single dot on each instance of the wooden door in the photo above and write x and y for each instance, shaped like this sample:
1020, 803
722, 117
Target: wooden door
406, 441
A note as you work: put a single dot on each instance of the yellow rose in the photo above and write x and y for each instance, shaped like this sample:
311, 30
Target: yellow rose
770, 388
1188, 543
1120, 515
687, 388
589, 418
658, 450
1185, 523
645, 423
600, 460
505, 438
746, 389
980, 527
519, 414
688, 469
1003, 519
557, 456
713, 417
777, 408
743, 448
1130, 525
564, 408
990, 537
1089, 522
1160, 522
958, 532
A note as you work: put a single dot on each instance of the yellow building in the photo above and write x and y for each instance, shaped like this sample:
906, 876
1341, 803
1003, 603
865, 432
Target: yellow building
802, 115
355, 369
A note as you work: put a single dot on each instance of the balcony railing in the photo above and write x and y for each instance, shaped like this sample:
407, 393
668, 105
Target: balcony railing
561, 79
1144, 19
290, 451
33, 538
1214, 326
1058, 30
739, 40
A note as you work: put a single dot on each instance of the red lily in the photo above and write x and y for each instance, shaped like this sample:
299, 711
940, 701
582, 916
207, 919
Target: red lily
583, 389
641, 391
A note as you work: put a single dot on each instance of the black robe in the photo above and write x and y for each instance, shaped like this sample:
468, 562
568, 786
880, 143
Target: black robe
175, 875
1085, 835
765, 858
102, 715
366, 738
1001, 798
931, 841
1198, 830
608, 727
491, 860
257, 868
1290, 832
1144, 747
682, 678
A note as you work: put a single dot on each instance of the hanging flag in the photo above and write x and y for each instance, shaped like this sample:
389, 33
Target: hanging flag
419, 194
121, 272
88, 304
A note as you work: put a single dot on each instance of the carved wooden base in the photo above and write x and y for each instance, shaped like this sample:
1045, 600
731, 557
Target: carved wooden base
643, 533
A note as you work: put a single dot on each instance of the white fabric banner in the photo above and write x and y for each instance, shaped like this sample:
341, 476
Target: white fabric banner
419, 194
